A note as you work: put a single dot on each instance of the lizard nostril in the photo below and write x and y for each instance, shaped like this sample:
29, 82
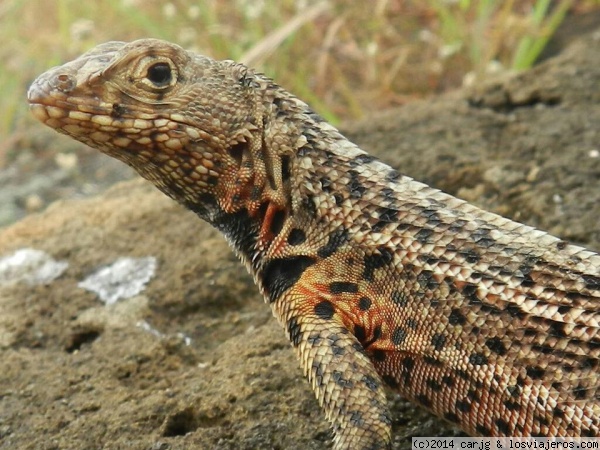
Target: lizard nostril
64, 82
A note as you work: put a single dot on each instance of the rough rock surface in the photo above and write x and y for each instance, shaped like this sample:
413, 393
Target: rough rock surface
194, 360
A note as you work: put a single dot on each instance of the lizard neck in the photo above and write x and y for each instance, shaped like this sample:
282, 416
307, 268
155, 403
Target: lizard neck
253, 201
242, 232
265, 196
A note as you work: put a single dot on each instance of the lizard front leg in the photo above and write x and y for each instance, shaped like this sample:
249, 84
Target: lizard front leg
341, 374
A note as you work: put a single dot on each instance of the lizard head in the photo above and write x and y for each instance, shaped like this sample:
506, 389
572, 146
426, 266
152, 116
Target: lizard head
193, 126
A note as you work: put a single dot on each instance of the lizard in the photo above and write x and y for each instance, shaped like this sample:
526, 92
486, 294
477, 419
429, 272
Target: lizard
380, 281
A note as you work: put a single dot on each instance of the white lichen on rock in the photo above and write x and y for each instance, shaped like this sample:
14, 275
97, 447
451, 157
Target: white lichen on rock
122, 279
30, 266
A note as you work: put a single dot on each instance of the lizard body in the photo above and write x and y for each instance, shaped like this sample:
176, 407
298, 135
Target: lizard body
378, 279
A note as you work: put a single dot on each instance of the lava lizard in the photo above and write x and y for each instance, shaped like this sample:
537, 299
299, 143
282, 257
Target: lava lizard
379, 280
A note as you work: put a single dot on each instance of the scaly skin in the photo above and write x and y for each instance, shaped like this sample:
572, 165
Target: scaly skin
377, 278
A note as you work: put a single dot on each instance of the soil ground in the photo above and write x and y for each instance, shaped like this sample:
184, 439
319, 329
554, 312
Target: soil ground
196, 360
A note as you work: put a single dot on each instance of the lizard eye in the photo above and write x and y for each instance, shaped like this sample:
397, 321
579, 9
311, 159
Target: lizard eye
160, 74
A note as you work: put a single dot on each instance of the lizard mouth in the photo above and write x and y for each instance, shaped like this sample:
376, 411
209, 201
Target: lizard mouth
92, 128
50, 103
102, 124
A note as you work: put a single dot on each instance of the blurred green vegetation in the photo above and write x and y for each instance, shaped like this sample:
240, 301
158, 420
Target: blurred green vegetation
346, 58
